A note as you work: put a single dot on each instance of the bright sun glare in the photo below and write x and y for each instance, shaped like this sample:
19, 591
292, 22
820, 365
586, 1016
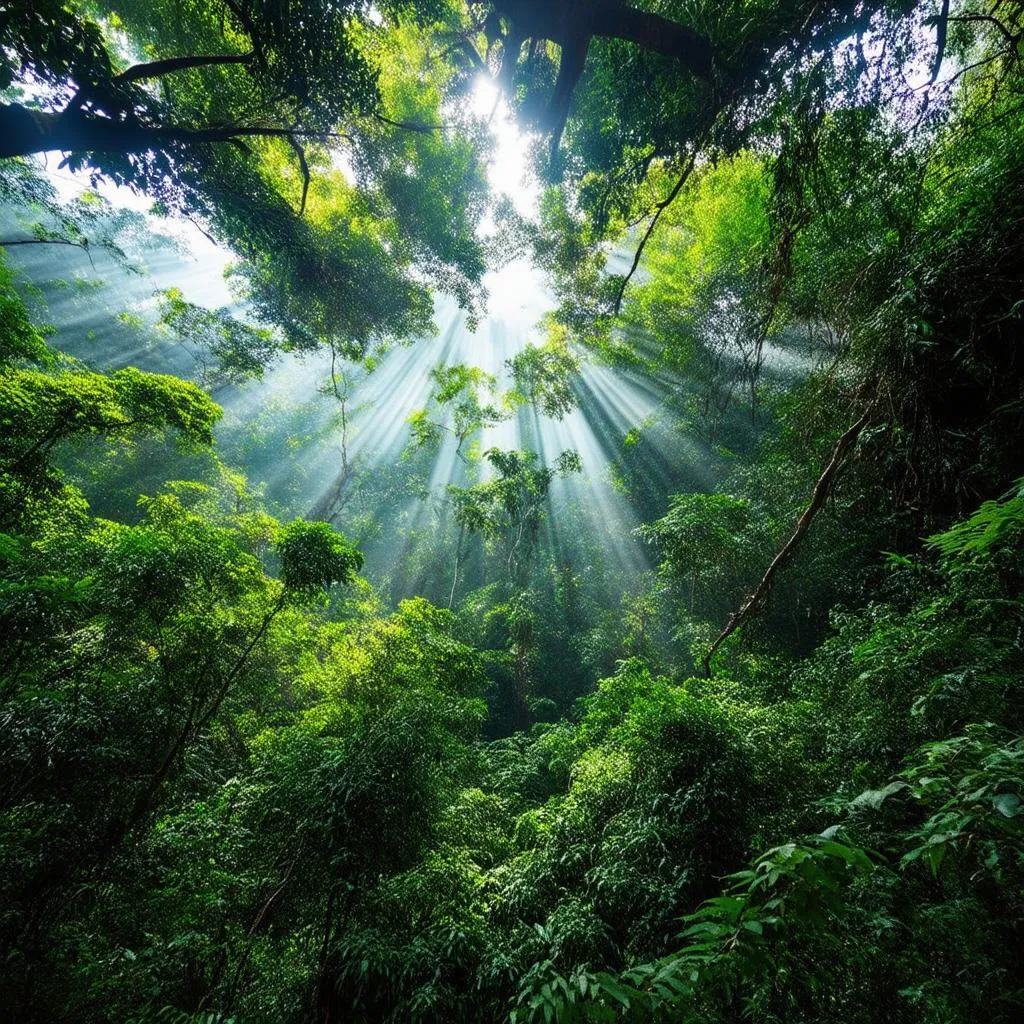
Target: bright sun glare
507, 173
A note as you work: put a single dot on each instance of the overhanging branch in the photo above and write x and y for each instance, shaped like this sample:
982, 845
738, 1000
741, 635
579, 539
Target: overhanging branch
84, 246
24, 131
409, 126
304, 167
940, 41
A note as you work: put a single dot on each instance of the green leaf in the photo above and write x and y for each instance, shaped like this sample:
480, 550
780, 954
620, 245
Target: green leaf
874, 798
1007, 804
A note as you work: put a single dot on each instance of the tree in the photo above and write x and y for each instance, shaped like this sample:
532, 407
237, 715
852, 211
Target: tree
508, 511
235, 784
708, 542
543, 375
176, 608
310, 62
638, 124
226, 350
88, 222
572, 24
510, 507
231, 120
462, 392
76, 403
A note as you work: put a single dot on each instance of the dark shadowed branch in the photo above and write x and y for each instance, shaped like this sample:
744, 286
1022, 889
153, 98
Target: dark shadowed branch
304, 166
157, 68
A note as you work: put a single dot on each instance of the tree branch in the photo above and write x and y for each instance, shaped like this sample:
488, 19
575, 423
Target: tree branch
260, 916
1012, 38
409, 126
658, 211
157, 68
755, 601
940, 41
153, 69
84, 246
656, 34
304, 166
564, 20
24, 131
570, 71
465, 45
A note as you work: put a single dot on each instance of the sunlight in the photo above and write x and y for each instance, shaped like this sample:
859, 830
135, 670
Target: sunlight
508, 170
377, 432
431, 602
201, 274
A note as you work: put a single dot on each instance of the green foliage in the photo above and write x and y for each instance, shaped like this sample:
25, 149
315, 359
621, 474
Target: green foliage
69, 402
975, 781
239, 782
19, 338
249, 104
314, 556
40, 410
88, 221
228, 351
511, 506
460, 395
708, 541
543, 376
994, 524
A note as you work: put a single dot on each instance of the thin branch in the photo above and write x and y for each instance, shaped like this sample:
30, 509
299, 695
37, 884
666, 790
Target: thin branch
755, 601
250, 30
640, 168
458, 555
260, 916
206, 234
7, 243
154, 69
84, 246
1012, 38
409, 126
330, 504
658, 211
233, 132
